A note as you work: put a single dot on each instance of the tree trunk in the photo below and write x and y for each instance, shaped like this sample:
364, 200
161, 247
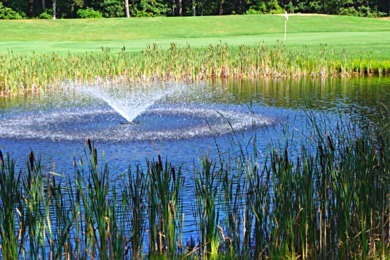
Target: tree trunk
43, 5
180, 7
193, 8
54, 9
127, 8
221, 2
30, 8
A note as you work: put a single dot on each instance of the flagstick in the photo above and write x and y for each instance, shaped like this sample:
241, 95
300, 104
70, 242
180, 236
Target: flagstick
285, 25
285, 30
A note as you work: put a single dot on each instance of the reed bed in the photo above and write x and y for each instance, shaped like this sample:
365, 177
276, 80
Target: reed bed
40, 72
327, 197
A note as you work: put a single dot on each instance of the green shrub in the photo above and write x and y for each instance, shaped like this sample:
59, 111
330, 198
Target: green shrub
89, 13
350, 11
272, 7
362, 11
113, 8
47, 14
253, 11
7, 13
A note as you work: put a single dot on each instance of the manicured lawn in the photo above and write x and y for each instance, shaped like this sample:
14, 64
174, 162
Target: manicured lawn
356, 35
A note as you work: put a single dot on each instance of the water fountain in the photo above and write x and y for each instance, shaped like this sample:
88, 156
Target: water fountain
161, 112
128, 103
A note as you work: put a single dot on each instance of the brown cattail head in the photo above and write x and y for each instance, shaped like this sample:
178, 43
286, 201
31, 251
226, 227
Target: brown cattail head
160, 165
31, 159
2, 160
173, 174
89, 144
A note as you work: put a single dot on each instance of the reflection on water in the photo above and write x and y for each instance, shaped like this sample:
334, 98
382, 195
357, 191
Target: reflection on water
321, 94
197, 115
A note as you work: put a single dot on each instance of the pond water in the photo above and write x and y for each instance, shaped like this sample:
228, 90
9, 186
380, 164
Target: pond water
179, 122
182, 123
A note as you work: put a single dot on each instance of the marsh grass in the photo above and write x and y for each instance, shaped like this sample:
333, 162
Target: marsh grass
41, 72
10, 195
165, 208
134, 197
326, 197
207, 183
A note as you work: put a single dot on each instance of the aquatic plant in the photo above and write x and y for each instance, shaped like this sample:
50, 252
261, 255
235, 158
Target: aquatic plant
42, 72
11, 197
165, 207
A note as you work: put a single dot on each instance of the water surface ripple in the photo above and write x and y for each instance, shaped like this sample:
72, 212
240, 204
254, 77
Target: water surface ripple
160, 122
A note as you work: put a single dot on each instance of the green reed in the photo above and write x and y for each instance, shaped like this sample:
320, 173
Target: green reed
207, 183
61, 218
40, 72
103, 235
134, 197
11, 197
36, 202
165, 184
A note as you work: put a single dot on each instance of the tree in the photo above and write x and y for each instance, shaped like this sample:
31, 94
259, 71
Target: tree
54, 9
127, 8
151, 8
111, 8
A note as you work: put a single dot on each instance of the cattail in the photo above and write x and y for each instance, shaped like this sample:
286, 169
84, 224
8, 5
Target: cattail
31, 159
89, 144
2, 160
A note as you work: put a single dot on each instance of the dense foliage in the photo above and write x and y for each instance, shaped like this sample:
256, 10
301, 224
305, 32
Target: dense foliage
16, 9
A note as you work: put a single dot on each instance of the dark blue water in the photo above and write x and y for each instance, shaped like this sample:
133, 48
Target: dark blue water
180, 127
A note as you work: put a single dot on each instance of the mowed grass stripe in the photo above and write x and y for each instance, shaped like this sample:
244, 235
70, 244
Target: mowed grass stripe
136, 33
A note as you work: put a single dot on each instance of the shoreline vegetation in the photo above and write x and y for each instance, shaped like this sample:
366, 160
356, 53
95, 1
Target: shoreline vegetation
37, 55
330, 199
21, 74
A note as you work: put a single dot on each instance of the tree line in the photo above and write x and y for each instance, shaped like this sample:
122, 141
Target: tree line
46, 9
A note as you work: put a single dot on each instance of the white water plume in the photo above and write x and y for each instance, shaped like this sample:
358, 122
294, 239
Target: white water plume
129, 103
163, 112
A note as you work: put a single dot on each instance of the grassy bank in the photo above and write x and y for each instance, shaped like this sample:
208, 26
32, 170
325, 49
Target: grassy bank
22, 74
134, 34
38, 54
329, 199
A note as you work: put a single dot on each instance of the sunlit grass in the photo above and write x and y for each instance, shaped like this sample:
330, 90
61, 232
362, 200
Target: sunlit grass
80, 35
41, 72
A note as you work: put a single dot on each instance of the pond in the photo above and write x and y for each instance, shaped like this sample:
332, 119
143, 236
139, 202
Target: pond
181, 122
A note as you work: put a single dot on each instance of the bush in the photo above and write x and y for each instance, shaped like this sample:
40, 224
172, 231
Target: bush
350, 11
47, 14
271, 7
112, 8
253, 11
7, 13
362, 11
88, 13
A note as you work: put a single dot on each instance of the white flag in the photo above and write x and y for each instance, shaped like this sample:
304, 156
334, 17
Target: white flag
286, 15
